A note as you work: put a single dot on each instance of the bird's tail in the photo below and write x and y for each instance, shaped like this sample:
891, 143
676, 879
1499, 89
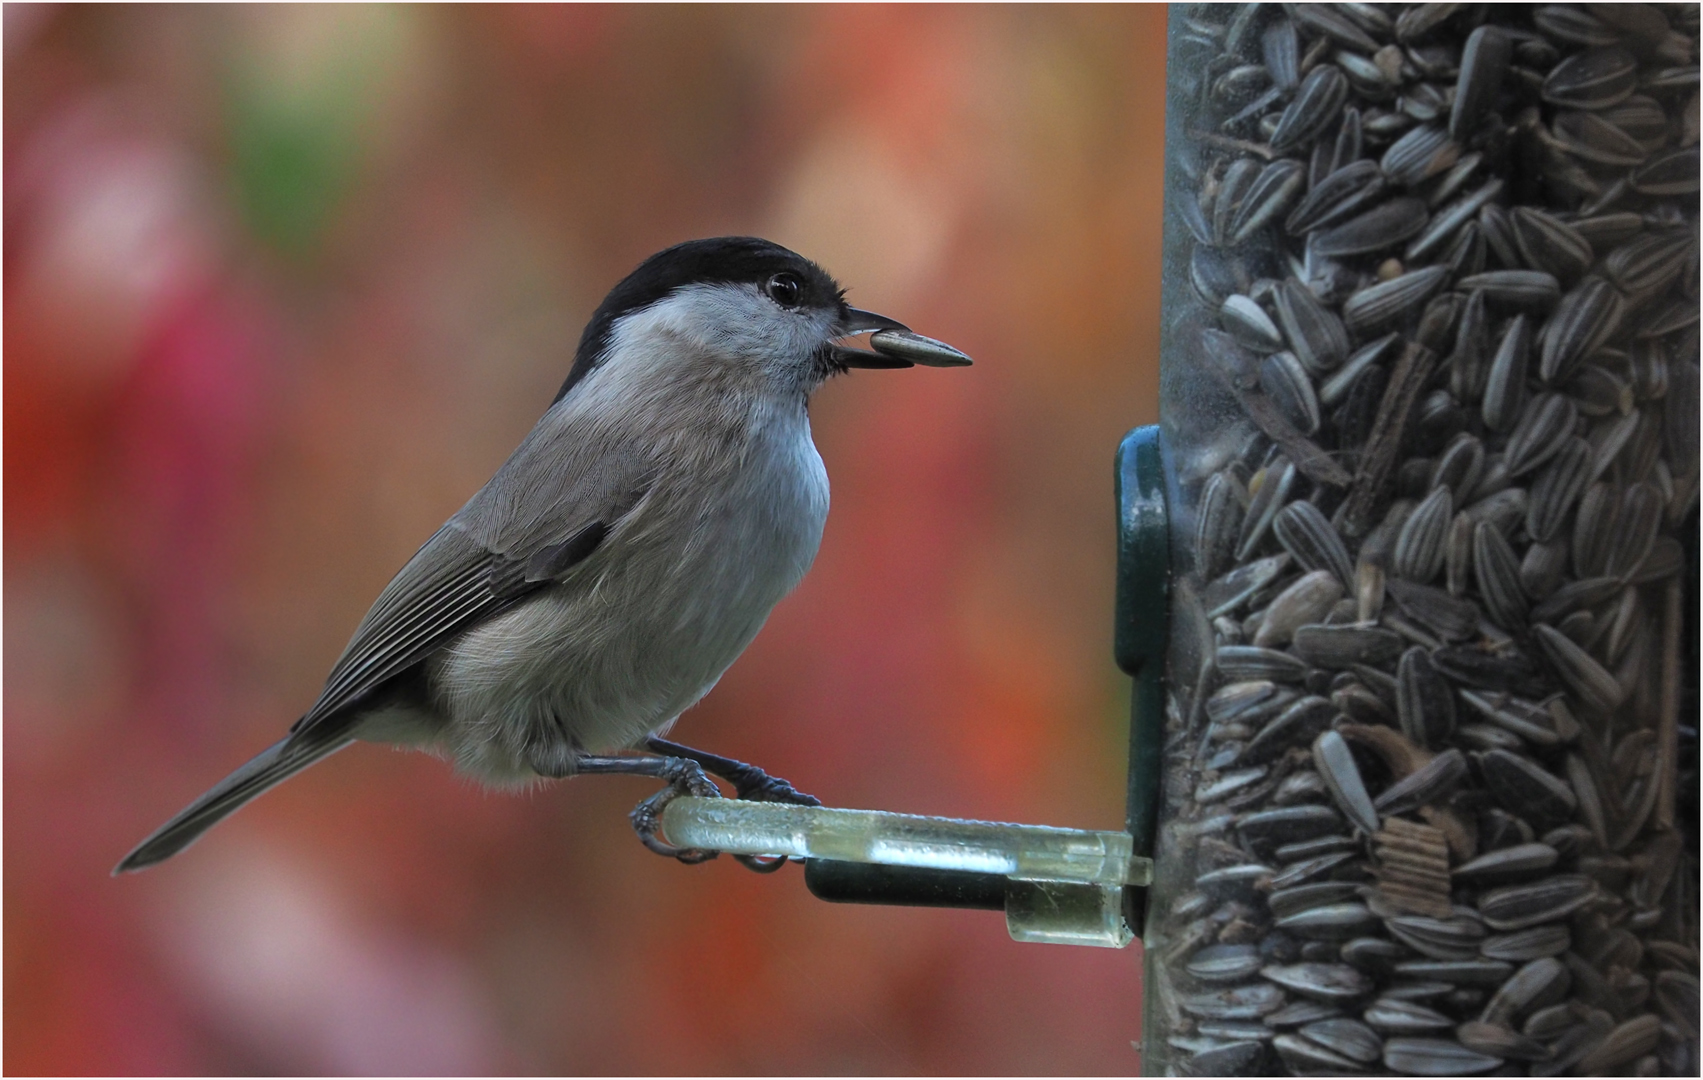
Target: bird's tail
276, 763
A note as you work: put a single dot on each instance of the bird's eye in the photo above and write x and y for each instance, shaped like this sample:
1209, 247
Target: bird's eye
785, 290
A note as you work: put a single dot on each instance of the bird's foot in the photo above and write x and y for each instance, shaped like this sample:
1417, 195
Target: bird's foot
749, 782
683, 776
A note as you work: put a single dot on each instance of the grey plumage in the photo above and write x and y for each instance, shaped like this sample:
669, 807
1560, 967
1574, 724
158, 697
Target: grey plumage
621, 559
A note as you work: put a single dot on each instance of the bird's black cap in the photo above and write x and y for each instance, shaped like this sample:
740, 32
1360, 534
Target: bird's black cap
718, 260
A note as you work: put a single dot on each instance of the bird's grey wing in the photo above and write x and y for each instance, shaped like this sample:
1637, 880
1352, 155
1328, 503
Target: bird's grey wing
548, 508
451, 584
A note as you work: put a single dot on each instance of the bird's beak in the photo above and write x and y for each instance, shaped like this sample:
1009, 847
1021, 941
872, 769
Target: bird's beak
858, 321
892, 346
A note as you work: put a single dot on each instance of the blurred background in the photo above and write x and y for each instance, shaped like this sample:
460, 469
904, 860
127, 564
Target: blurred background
284, 285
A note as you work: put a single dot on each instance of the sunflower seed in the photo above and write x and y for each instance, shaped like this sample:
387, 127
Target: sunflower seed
1249, 662
1248, 323
1381, 227
1377, 305
1571, 23
1266, 830
1238, 180
1296, 725
1605, 232
1328, 922
1648, 371
1457, 554
1521, 290
1680, 426
1338, 647
1634, 529
1212, 276
1224, 963
1349, 1038
1526, 789
1593, 685
1545, 425
1269, 197
1321, 982
1418, 553
1429, 784
1459, 467
1457, 972
1317, 103
1218, 521
1312, 869
1450, 219
1515, 907
1238, 1003
1574, 1043
1267, 499
1505, 390
1550, 244
1498, 231
1670, 173
1250, 702
1593, 529
1558, 486
1420, 154
1424, 701
1591, 137
1585, 319
1328, 20
1306, 601
1301, 1011
1594, 79
1523, 718
1286, 382
1444, 616
1285, 902
1630, 1040
1648, 263
1533, 943
1509, 863
1335, 764
1336, 197
1676, 994
1403, 1017
1440, 939
1543, 567
1315, 334
1215, 790
1537, 984
1309, 1057
1642, 118
1280, 48
1600, 392
1498, 577
1309, 537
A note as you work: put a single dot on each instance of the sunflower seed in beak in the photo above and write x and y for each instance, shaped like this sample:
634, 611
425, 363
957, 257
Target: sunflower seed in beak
905, 345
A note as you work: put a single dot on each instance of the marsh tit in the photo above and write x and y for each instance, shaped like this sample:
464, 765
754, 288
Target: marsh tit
621, 559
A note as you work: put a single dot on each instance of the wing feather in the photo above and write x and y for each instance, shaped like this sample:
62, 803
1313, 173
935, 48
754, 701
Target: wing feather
488, 558
451, 584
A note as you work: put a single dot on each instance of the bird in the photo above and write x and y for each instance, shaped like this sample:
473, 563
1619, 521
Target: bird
620, 560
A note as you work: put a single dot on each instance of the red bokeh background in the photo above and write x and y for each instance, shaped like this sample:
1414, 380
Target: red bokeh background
283, 285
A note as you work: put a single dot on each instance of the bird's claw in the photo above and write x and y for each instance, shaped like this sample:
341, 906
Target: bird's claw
684, 778
759, 786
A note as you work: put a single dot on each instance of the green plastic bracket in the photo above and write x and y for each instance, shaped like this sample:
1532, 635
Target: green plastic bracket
1142, 632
